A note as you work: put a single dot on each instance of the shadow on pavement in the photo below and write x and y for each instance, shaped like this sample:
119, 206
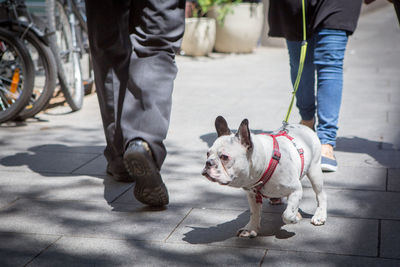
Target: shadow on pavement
382, 152
218, 233
57, 161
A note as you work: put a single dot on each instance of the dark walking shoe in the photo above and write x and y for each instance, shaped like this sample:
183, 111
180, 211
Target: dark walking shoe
328, 159
149, 188
328, 165
116, 169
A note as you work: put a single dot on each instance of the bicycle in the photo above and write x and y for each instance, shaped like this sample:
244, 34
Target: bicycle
17, 19
16, 75
67, 23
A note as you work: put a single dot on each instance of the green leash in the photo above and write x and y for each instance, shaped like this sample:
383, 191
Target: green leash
301, 64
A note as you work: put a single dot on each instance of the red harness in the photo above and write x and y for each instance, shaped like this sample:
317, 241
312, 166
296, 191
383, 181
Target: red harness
273, 162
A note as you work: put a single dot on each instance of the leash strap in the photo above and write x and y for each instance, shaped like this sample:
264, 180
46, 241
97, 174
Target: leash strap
303, 53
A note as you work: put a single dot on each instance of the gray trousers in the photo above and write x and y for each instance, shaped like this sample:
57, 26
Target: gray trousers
133, 45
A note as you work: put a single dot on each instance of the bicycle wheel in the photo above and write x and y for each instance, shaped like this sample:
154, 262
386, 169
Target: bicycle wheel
16, 76
45, 76
67, 54
78, 7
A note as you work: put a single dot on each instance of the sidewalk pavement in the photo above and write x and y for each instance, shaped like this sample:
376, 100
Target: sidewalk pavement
58, 207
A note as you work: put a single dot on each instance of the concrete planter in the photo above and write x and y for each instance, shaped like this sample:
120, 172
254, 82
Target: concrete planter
199, 36
241, 29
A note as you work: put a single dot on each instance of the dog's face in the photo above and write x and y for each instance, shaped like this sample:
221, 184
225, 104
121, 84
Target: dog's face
228, 158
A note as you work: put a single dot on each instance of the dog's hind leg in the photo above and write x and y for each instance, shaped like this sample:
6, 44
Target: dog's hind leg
316, 178
253, 226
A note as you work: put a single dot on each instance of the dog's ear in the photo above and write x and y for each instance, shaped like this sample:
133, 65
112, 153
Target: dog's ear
244, 135
222, 126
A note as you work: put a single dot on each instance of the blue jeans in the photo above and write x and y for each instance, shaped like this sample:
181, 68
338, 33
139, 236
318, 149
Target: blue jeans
325, 54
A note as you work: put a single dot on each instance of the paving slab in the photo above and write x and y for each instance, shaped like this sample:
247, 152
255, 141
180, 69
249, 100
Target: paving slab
18, 249
394, 180
95, 167
339, 235
366, 178
298, 259
390, 239
341, 202
90, 219
59, 187
52, 133
42, 161
378, 159
70, 251
356, 204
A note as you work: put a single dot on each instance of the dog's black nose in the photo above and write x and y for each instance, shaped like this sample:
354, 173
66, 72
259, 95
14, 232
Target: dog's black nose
209, 163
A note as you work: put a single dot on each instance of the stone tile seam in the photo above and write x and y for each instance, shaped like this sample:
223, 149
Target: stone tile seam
379, 238
64, 200
93, 159
280, 212
42, 251
65, 152
197, 245
45, 172
191, 209
6, 206
262, 259
353, 189
180, 242
387, 180
260, 247
177, 226
121, 194
331, 253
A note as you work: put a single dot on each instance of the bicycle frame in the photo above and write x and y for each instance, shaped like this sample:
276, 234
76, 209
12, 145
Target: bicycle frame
14, 24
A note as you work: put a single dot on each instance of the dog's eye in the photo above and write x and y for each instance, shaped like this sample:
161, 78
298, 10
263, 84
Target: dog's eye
208, 154
224, 157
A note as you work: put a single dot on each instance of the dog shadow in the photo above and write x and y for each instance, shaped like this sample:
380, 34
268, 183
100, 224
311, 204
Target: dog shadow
271, 225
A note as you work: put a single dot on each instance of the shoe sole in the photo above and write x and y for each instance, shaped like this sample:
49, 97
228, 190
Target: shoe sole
149, 187
328, 168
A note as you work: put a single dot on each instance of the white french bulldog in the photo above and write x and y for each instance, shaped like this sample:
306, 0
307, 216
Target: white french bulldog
244, 160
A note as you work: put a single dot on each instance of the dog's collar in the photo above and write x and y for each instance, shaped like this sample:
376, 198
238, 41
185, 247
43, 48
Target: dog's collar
273, 163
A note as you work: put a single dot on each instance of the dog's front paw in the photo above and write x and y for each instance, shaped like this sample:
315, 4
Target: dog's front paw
246, 233
319, 217
291, 217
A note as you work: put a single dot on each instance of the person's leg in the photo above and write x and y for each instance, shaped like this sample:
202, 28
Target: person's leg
144, 110
110, 46
396, 4
328, 58
305, 96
